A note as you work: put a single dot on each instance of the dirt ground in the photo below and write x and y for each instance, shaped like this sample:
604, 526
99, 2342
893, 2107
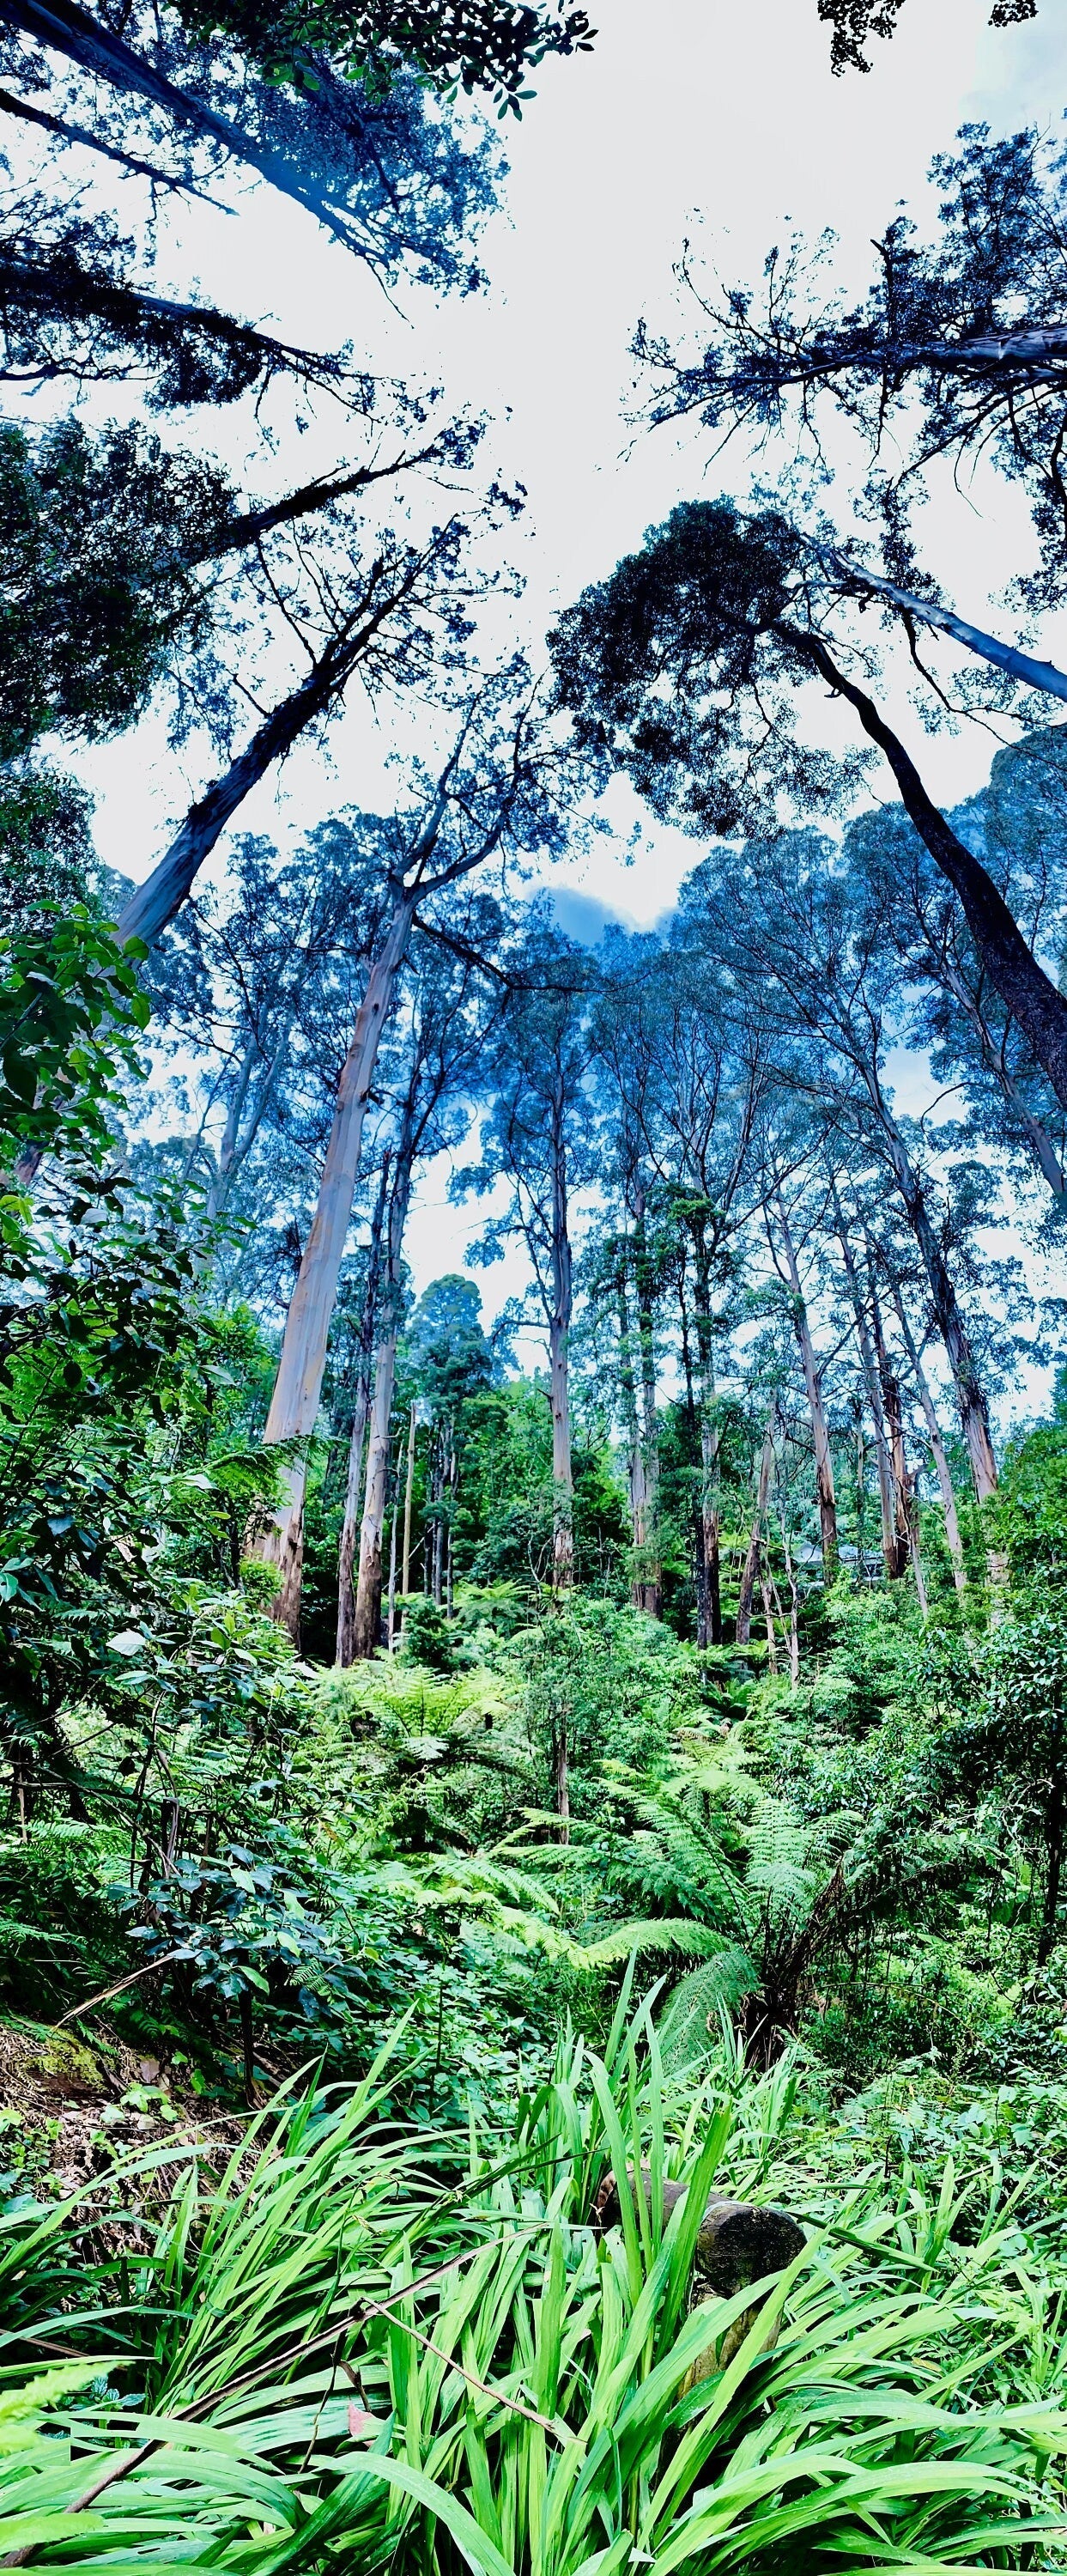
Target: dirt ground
69, 2106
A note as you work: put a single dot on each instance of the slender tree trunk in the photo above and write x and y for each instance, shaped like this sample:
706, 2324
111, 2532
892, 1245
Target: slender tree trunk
559, 1360
298, 1385
453, 1474
95, 50
794, 1607
906, 1516
1012, 968
824, 1467
710, 1516
750, 1568
937, 1445
890, 1552
155, 902
651, 1587
391, 1633
894, 1418
768, 1621
368, 1611
231, 1131
975, 639
408, 1487
346, 1555
974, 1419
635, 1461
1037, 1135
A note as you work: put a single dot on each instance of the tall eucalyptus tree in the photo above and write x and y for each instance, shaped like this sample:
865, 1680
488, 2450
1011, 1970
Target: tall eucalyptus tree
537, 1144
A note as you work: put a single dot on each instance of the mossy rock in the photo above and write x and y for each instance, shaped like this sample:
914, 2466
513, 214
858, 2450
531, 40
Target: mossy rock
68, 2066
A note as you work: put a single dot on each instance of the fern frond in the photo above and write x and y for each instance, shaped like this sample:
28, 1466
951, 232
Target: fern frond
693, 1940
690, 2021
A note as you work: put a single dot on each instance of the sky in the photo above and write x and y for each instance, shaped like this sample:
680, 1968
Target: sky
724, 128
716, 121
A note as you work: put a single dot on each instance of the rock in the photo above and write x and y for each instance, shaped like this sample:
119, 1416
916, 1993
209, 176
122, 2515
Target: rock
737, 2242
68, 2067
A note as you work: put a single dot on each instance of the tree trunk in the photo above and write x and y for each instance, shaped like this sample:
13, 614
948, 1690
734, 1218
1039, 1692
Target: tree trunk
1012, 968
346, 1555
635, 1462
892, 1559
937, 1445
894, 1417
752, 1560
562, 1468
1037, 1135
794, 1607
710, 1517
824, 1467
559, 1360
974, 1419
298, 1385
368, 1612
96, 51
391, 1629
408, 1487
155, 902
651, 1585
366, 1633
975, 639
768, 1621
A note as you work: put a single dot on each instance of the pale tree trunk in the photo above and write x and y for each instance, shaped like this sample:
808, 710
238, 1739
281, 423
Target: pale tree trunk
391, 1630
937, 1445
155, 903
237, 1145
651, 1584
974, 1419
709, 1589
368, 1613
824, 1467
637, 1491
890, 1551
298, 1386
408, 1489
1013, 970
768, 1619
794, 1607
96, 50
346, 1554
750, 1568
1037, 1135
559, 1327
907, 1534
453, 1480
220, 1185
